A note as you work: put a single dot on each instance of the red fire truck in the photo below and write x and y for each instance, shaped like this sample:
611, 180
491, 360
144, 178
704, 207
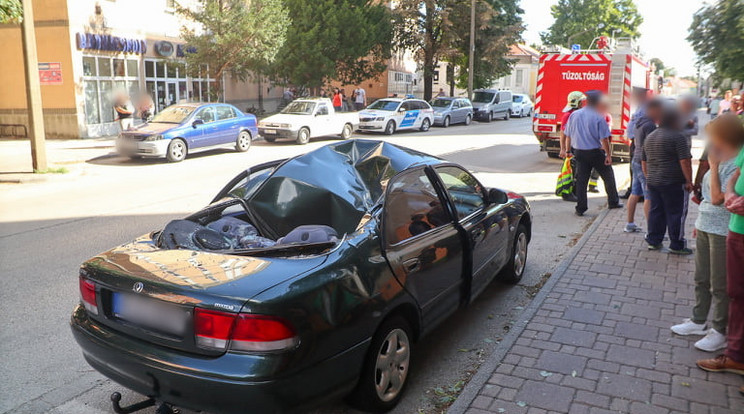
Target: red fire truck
612, 70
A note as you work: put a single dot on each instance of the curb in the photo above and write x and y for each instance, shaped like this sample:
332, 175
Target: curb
486, 370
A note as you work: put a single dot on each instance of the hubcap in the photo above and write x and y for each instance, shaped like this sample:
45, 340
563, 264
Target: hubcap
243, 141
392, 365
426, 124
347, 131
520, 254
177, 150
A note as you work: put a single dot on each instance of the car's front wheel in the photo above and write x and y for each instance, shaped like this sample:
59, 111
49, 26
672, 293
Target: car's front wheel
425, 124
468, 120
243, 143
446, 122
303, 136
386, 367
514, 270
176, 150
390, 128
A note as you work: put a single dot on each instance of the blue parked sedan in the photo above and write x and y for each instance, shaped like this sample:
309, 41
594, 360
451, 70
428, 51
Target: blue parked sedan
183, 128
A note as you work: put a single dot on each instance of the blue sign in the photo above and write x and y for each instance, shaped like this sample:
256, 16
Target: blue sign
575, 48
109, 43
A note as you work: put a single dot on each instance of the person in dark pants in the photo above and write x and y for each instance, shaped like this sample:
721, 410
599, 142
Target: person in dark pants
667, 163
589, 136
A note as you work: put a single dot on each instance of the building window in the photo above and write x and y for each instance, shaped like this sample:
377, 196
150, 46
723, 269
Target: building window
436, 76
104, 77
167, 83
507, 80
520, 77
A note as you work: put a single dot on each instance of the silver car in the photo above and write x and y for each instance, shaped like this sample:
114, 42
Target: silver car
448, 111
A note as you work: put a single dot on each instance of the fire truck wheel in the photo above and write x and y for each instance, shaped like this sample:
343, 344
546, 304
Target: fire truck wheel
552, 154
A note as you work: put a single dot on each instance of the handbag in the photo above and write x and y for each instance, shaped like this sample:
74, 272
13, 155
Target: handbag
565, 183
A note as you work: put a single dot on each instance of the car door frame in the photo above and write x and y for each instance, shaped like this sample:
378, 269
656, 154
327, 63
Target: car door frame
323, 122
228, 128
479, 232
208, 129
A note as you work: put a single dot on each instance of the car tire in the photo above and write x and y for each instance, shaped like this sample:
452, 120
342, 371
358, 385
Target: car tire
514, 270
552, 154
468, 120
446, 122
425, 125
269, 139
177, 150
521, 113
507, 115
489, 118
347, 131
390, 128
376, 390
303, 136
243, 143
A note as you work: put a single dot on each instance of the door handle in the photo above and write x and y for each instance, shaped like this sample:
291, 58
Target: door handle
412, 265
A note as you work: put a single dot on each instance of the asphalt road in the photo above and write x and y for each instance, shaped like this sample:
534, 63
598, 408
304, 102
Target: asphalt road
47, 229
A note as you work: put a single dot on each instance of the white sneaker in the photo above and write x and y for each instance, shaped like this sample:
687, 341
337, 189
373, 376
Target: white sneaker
688, 327
632, 228
712, 342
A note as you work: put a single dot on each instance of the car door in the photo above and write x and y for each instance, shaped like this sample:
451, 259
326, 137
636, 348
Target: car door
423, 245
409, 115
323, 121
459, 110
227, 124
485, 226
204, 119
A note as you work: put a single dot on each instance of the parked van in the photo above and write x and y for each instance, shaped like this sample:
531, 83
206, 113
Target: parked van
491, 103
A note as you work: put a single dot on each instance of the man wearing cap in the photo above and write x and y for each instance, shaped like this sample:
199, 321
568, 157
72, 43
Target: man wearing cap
588, 135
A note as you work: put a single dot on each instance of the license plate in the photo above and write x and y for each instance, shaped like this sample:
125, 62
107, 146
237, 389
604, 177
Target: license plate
269, 131
545, 116
149, 313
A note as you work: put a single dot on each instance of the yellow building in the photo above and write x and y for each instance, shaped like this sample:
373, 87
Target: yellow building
88, 49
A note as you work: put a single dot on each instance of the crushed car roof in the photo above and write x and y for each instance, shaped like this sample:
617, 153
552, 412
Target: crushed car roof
335, 185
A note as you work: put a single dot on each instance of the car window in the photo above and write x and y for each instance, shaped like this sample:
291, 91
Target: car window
412, 207
406, 106
224, 112
384, 105
483, 96
505, 97
466, 103
205, 115
517, 98
423, 105
441, 103
323, 110
463, 189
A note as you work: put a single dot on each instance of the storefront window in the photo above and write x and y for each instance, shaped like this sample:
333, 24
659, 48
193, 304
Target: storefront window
104, 66
172, 70
119, 69
132, 68
149, 69
89, 66
107, 101
172, 85
160, 69
92, 115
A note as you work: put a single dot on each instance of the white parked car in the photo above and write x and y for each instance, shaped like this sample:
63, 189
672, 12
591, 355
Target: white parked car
392, 114
303, 119
521, 105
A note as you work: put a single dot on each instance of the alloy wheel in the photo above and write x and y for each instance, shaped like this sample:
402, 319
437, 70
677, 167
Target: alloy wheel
446, 122
520, 254
244, 141
176, 151
425, 124
391, 368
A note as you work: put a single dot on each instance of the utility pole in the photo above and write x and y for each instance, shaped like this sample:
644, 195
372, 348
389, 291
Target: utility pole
37, 135
471, 57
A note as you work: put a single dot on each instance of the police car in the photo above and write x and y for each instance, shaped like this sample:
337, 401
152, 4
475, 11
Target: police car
391, 114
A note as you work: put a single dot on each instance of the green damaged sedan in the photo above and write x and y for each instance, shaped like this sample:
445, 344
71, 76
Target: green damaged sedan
304, 280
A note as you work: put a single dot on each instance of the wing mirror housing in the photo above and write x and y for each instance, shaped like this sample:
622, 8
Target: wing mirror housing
496, 196
401, 109
196, 123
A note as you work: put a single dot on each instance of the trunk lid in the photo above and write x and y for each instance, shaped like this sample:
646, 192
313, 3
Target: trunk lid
139, 279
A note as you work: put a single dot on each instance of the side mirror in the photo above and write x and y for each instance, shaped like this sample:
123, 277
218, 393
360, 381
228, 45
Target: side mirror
496, 196
402, 110
196, 123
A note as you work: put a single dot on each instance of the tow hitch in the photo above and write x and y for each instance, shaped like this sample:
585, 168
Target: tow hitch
163, 408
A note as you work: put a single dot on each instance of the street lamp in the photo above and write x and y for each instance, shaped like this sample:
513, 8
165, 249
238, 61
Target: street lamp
599, 27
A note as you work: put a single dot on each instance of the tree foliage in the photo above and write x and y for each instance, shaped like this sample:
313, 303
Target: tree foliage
717, 36
498, 25
235, 36
581, 21
11, 11
343, 40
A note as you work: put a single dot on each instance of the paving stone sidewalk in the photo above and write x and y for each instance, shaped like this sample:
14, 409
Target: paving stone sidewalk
597, 339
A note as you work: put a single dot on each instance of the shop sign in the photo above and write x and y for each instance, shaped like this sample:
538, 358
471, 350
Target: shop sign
164, 48
181, 50
109, 43
50, 73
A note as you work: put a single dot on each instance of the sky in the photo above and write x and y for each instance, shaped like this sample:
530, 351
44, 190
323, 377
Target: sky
663, 32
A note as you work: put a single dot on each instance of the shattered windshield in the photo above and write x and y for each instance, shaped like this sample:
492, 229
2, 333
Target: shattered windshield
299, 108
173, 114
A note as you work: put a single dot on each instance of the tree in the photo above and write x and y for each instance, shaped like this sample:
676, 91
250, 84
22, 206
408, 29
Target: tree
666, 71
717, 36
498, 26
581, 21
425, 27
11, 11
343, 40
232, 36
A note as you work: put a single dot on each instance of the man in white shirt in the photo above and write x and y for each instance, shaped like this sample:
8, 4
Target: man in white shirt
360, 100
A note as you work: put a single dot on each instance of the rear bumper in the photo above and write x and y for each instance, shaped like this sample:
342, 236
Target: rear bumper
231, 383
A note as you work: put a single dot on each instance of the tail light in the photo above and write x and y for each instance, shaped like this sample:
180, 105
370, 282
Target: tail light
242, 332
88, 295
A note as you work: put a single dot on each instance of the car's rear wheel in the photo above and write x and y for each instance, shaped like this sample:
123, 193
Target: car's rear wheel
385, 372
425, 125
390, 128
468, 120
446, 122
514, 270
490, 117
176, 150
347, 131
243, 143
303, 136
521, 114
507, 115
269, 139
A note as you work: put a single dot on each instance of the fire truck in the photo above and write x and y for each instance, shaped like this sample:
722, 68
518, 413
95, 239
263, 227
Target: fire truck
614, 68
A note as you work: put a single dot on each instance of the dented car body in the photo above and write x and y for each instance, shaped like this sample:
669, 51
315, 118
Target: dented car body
305, 279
